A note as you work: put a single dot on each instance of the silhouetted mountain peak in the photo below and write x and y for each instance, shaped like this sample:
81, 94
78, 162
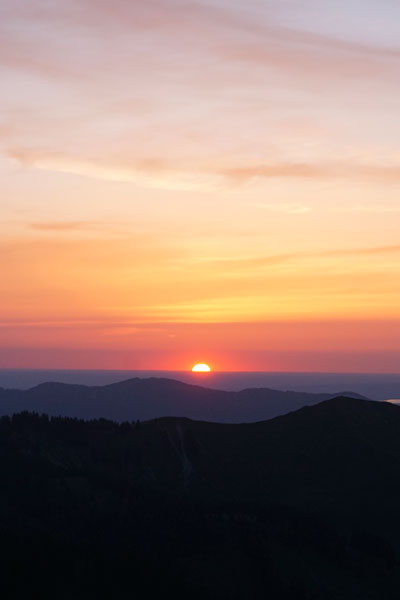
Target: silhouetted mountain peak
144, 399
349, 405
55, 386
160, 384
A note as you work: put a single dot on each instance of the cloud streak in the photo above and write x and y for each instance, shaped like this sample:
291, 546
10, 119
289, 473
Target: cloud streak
61, 225
212, 31
389, 173
261, 262
155, 172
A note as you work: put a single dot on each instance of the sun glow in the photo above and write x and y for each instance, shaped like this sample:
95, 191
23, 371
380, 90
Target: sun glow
201, 368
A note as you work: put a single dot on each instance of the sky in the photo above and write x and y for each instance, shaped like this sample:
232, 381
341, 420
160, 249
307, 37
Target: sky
205, 181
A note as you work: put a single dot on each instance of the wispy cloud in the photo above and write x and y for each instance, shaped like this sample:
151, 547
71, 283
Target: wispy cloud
316, 57
395, 249
289, 209
218, 30
156, 172
244, 173
150, 172
161, 93
253, 262
61, 225
368, 209
346, 170
261, 262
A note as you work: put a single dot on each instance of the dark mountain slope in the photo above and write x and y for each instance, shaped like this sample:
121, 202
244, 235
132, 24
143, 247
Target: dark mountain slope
343, 453
304, 506
152, 398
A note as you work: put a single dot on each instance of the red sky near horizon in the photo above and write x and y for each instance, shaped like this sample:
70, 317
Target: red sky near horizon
205, 181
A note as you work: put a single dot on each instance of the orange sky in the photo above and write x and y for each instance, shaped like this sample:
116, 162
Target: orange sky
200, 182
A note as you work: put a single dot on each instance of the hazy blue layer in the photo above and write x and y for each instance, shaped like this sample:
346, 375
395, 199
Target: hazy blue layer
379, 387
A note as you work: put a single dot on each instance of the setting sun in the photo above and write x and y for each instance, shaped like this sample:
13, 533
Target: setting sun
201, 368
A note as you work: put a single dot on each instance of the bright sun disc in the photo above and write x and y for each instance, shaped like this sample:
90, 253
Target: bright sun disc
201, 368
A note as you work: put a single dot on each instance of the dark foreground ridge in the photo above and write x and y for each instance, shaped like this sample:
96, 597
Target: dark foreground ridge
155, 397
304, 506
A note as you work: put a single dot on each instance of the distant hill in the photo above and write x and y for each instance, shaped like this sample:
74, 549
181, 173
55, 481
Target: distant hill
303, 506
151, 398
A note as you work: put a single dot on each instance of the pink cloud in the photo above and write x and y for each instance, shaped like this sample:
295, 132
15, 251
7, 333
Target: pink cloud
216, 32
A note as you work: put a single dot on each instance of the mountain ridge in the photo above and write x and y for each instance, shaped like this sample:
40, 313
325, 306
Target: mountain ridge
147, 398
